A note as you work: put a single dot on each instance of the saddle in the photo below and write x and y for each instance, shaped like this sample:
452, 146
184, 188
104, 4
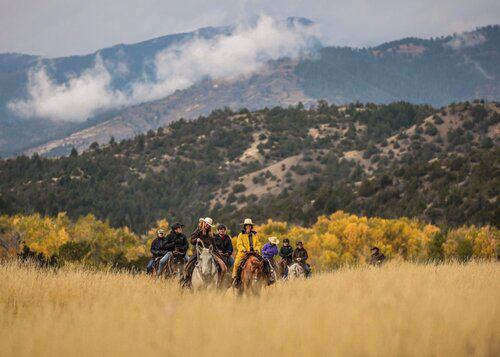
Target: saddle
177, 257
190, 265
242, 264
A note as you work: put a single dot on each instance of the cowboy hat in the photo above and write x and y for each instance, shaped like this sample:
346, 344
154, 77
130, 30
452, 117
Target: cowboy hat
274, 240
247, 221
208, 221
161, 230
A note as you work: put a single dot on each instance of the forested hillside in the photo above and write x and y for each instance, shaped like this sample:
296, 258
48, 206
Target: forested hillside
292, 164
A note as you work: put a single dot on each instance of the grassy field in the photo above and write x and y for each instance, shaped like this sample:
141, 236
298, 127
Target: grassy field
401, 309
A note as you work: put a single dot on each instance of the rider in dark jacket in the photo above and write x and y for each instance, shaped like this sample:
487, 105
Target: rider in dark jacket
159, 247
223, 245
300, 256
286, 251
181, 244
377, 257
203, 234
175, 241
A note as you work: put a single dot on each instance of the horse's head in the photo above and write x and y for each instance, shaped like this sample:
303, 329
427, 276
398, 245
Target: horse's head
206, 262
256, 268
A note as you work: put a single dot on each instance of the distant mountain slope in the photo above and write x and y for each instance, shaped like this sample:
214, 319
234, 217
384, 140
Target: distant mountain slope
277, 85
293, 164
14, 77
435, 71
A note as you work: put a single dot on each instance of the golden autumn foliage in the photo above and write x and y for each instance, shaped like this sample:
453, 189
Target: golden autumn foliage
333, 241
341, 238
467, 242
99, 243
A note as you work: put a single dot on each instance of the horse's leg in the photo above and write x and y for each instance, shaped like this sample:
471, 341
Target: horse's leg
244, 283
196, 280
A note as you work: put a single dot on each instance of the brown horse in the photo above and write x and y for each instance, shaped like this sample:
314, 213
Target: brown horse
253, 276
283, 267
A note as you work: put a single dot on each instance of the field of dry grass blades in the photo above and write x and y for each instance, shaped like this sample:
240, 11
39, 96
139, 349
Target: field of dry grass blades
401, 309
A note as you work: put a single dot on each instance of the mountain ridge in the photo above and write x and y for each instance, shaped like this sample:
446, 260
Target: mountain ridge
435, 75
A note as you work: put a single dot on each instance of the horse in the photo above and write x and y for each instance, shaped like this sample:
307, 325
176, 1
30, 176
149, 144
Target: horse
283, 267
253, 276
274, 269
174, 267
296, 270
206, 273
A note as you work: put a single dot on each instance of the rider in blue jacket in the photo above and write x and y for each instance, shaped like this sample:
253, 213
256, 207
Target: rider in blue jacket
269, 251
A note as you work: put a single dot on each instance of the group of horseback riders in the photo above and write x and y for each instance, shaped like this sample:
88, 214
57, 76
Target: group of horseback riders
174, 246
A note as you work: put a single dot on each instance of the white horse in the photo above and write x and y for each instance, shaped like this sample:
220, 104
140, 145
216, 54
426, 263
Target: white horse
206, 273
296, 271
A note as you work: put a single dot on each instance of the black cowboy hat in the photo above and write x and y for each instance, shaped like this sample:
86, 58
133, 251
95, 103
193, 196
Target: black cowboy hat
177, 225
221, 226
286, 240
300, 243
377, 249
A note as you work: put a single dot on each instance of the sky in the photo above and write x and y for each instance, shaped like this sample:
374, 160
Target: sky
67, 27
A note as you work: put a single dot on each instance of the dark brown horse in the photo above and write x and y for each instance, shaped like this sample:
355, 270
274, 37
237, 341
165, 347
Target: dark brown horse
253, 276
173, 269
283, 267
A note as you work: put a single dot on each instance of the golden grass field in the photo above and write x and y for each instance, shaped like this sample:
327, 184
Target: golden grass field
401, 309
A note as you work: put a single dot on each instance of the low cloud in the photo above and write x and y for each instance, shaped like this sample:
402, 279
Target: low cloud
466, 40
244, 52
76, 100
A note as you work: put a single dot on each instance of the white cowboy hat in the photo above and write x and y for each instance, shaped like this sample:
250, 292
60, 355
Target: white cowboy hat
274, 240
247, 221
208, 221
161, 230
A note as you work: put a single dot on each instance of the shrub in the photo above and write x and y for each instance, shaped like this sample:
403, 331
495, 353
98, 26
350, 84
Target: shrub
239, 187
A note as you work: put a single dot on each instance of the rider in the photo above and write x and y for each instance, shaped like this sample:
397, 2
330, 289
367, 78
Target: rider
176, 242
247, 241
377, 257
300, 256
269, 250
286, 253
202, 234
159, 248
223, 245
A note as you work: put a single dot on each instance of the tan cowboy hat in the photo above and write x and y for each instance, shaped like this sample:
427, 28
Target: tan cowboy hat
208, 221
247, 221
274, 240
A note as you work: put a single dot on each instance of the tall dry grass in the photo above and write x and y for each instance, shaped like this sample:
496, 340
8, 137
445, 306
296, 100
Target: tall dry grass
401, 309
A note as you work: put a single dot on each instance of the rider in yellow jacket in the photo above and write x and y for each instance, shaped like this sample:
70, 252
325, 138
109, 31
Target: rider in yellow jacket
243, 243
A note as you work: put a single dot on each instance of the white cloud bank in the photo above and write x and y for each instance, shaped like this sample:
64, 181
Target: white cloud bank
465, 40
242, 53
